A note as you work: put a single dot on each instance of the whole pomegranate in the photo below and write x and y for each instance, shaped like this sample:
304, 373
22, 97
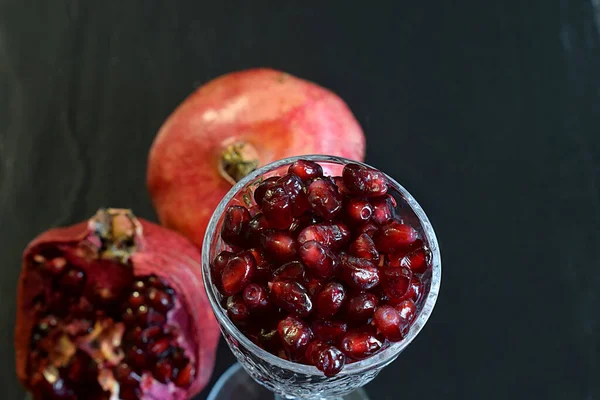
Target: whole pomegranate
113, 308
234, 124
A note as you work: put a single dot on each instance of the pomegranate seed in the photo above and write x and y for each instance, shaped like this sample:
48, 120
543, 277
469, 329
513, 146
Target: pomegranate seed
55, 266
296, 191
125, 375
361, 307
163, 371
263, 273
258, 254
329, 359
139, 285
302, 222
136, 299
329, 331
153, 317
358, 211
234, 225
417, 260
339, 182
292, 297
369, 228
332, 235
279, 246
416, 289
237, 308
329, 300
358, 273
314, 286
256, 226
383, 209
324, 199
155, 282
407, 309
261, 190
394, 236
396, 282
364, 181
363, 247
389, 323
256, 298
136, 358
238, 273
160, 300
73, 281
359, 345
277, 208
319, 259
292, 271
306, 170
159, 347
312, 351
129, 317
295, 336
149, 334
184, 375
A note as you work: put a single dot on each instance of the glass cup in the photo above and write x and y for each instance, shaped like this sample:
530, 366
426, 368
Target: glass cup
288, 379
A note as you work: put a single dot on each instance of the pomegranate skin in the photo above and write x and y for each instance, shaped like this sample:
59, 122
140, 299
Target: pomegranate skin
156, 251
269, 113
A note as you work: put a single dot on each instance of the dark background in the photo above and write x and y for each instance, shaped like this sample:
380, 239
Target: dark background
487, 111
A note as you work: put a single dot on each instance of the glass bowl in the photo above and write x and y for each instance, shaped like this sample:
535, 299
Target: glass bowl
292, 380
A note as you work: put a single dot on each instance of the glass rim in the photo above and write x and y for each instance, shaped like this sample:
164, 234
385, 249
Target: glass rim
382, 358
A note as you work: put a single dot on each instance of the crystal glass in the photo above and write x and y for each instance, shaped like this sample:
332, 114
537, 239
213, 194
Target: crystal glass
291, 380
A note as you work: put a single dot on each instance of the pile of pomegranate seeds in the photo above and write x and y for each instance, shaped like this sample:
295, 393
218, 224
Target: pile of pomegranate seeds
321, 270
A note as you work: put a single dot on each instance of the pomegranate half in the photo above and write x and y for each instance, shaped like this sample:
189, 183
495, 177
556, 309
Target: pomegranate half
113, 308
234, 124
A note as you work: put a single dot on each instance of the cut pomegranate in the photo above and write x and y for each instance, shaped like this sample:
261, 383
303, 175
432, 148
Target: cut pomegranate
312, 270
319, 259
324, 199
234, 225
359, 345
359, 273
364, 181
389, 323
105, 302
295, 336
394, 236
329, 300
292, 297
306, 170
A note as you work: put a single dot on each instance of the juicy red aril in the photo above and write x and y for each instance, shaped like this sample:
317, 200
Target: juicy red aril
295, 189
55, 266
318, 259
341, 186
329, 331
184, 375
306, 170
407, 309
160, 300
277, 208
279, 246
329, 300
361, 307
332, 235
358, 211
363, 247
330, 360
218, 265
237, 274
313, 349
256, 226
237, 308
295, 336
261, 190
394, 236
389, 323
324, 199
159, 347
256, 298
234, 224
314, 286
359, 345
292, 297
369, 229
291, 271
125, 375
359, 273
383, 209
73, 281
302, 222
364, 181
396, 281
416, 260
163, 370
416, 288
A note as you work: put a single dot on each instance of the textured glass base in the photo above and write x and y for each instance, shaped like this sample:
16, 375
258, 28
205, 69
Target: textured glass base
236, 384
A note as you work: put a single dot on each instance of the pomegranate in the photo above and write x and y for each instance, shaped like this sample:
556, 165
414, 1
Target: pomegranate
113, 308
343, 272
234, 124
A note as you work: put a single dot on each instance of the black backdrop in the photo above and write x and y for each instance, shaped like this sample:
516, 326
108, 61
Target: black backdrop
487, 111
